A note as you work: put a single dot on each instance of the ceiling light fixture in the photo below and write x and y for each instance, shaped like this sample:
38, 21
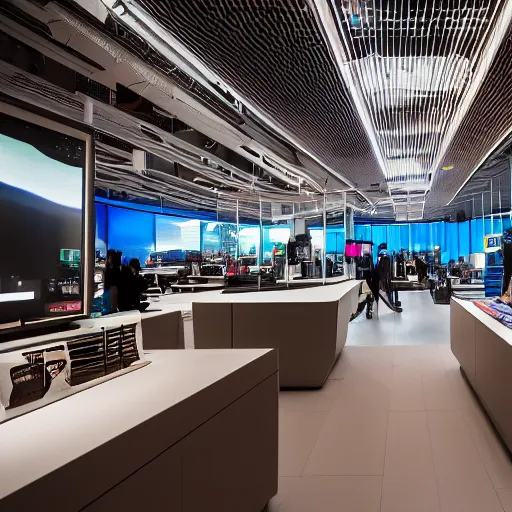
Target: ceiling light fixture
412, 72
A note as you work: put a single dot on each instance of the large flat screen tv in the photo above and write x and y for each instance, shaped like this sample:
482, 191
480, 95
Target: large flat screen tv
46, 201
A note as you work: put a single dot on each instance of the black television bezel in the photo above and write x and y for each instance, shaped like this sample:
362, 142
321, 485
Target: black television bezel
72, 129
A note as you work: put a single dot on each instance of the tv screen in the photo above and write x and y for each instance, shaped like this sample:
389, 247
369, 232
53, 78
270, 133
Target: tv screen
43, 209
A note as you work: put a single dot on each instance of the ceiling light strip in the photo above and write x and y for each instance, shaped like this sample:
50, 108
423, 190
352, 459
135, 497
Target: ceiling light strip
488, 52
323, 13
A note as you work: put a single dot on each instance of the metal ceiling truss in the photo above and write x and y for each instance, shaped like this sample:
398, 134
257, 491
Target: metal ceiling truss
115, 169
371, 97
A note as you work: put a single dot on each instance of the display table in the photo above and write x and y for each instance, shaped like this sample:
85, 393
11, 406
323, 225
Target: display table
307, 325
193, 431
483, 347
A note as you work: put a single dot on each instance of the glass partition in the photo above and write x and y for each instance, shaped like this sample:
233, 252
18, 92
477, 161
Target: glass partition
138, 233
172, 233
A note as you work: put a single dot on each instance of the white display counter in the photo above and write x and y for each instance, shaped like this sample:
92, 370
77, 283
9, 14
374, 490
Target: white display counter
483, 347
193, 431
308, 326
162, 327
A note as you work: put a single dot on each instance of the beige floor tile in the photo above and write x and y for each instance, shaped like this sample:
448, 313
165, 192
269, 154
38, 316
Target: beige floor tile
409, 478
365, 387
415, 356
341, 367
438, 392
310, 401
407, 389
352, 442
370, 375
298, 433
463, 482
492, 452
376, 353
287, 485
450, 361
334, 494
506, 499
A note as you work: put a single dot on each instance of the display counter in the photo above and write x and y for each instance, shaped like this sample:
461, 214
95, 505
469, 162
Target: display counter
193, 431
483, 347
162, 327
308, 326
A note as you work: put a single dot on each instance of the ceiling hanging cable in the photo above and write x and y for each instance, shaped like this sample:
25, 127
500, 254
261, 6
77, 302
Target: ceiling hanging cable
404, 77
431, 70
442, 86
417, 113
386, 89
371, 61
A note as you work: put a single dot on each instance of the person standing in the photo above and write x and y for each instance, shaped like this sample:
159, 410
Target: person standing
112, 276
131, 286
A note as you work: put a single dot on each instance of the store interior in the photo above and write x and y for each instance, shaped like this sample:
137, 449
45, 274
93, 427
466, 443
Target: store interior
256, 256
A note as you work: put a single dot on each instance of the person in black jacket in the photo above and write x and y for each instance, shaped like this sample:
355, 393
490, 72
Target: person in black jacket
112, 276
131, 286
421, 269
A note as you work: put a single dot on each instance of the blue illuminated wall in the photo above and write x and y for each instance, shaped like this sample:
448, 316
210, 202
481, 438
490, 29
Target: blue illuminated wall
454, 239
335, 240
131, 232
137, 233
101, 230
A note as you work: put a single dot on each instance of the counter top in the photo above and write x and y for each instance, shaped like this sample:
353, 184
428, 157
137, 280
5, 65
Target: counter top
181, 389
501, 330
329, 293
183, 302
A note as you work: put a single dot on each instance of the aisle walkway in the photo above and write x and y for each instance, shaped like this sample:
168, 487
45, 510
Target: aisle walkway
421, 323
395, 428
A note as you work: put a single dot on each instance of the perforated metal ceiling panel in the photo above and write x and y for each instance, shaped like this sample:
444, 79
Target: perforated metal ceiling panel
415, 67
383, 114
488, 121
273, 53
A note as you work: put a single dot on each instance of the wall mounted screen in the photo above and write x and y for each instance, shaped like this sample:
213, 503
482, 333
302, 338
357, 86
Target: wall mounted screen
42, 242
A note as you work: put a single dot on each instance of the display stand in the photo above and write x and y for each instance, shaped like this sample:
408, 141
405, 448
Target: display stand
483, 347
308, 326
193, 431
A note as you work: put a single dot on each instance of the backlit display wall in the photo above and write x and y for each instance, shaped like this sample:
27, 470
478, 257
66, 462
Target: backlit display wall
137, 233
454, 239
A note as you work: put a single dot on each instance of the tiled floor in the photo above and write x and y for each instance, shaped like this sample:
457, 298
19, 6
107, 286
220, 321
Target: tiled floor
395, 428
